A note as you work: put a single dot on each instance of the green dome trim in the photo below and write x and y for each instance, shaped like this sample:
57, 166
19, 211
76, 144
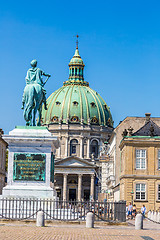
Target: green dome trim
101, 108
88, 115
69, 103
61, 116
80, 101
54, 100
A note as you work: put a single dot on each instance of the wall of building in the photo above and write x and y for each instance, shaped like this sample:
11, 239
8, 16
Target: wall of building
3, 146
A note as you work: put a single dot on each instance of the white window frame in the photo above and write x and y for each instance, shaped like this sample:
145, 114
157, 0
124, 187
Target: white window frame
158, 192
140, 191
141, 159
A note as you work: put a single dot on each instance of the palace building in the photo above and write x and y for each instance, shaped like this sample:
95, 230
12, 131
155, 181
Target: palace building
140, 166
131, 162
82, 121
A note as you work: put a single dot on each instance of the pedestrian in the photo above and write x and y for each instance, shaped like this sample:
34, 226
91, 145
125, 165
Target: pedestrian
130, 207
134, 212
143, 210
126, 210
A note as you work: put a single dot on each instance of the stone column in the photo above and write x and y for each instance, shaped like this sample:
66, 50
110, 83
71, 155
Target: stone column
66, 147
81, 148
59, 149
92, 186
79, 186
88, 148
65, 187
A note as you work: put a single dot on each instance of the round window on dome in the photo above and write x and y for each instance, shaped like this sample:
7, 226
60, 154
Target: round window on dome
94, 120
74, 119
93, 104
58, 103
109, 121
55, 119
75, 103
105, 106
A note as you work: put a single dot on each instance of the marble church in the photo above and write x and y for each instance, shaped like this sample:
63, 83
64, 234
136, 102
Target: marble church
82, 121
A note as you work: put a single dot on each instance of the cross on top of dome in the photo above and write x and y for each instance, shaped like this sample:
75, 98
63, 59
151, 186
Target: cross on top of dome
77, 36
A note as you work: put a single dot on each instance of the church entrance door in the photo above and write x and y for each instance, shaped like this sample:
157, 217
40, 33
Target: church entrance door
86, 194
72, 194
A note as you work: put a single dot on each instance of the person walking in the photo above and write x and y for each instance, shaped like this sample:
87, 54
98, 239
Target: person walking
130, 207
134, 212
143, 210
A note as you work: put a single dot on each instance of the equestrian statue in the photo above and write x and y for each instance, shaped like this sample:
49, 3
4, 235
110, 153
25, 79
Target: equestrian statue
34, 94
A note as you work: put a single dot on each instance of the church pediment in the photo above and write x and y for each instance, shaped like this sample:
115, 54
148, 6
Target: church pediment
73, 162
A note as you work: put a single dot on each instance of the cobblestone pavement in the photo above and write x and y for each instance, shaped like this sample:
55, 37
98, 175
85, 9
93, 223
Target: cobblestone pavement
78, 232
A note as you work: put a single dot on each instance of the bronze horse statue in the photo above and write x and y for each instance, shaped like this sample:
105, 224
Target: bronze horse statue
33, 97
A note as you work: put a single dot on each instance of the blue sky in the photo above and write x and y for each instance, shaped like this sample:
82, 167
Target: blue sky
119, 44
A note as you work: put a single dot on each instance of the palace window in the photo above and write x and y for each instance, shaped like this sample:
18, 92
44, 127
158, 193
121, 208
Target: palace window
140, 191
140, 159
73, 146
94, 148
158, 159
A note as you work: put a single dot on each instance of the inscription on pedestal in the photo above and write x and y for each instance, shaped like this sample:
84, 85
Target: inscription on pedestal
29, 167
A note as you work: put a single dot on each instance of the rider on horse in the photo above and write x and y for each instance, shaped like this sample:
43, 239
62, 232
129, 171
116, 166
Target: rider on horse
34, 76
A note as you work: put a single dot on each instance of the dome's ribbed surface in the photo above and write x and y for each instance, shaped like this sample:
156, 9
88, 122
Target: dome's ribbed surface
77, 101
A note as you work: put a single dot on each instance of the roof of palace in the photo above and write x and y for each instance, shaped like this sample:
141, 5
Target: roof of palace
75, 101
149, 129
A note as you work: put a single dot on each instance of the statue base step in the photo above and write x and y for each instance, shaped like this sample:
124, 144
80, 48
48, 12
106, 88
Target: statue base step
28, 191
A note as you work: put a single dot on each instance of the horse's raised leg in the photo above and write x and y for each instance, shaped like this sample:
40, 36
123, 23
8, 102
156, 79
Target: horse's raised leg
40, 115
34, 114
34, 117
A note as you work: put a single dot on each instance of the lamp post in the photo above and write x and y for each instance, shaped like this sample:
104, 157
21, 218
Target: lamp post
132, 193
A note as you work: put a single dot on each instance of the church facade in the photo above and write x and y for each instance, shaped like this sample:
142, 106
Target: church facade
82, 121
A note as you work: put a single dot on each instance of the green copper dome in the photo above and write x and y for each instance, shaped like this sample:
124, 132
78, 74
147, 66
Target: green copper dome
75, 101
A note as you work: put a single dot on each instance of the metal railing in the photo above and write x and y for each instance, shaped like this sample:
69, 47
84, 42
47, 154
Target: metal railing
27, 208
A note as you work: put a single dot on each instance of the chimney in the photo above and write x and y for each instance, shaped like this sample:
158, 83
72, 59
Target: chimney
147, 117
1, 132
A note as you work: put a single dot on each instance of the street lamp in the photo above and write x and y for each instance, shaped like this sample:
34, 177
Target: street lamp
132, 193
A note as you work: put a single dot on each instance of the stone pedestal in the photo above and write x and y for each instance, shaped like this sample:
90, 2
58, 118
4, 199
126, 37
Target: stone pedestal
29, 163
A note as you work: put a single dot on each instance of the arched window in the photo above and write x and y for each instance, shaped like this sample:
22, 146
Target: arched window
73, 146
94, 148
76, 71
79, 71
72, 71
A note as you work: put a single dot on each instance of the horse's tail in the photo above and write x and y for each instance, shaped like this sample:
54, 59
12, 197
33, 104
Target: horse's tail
29, 100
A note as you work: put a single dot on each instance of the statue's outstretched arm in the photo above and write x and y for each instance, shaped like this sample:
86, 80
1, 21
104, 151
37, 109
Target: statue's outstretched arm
46, 74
